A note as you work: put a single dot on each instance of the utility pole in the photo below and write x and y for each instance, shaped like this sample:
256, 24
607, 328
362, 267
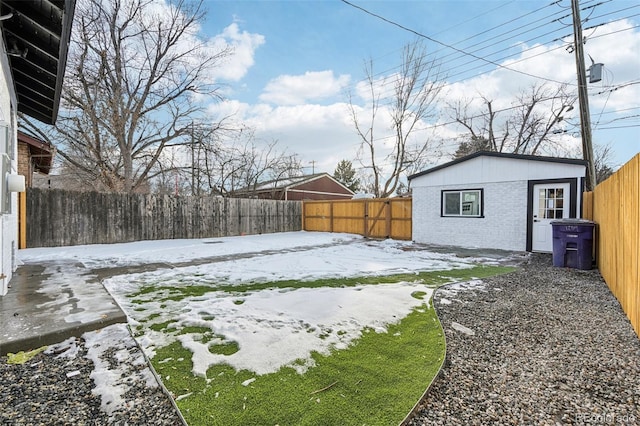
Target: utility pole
583, 98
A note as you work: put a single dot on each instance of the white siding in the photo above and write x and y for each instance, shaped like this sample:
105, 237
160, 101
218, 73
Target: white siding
8, 222
503, 226
505, 183
485, 169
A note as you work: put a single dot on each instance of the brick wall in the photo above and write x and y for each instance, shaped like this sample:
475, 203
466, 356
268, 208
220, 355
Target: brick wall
24, 163
503, 226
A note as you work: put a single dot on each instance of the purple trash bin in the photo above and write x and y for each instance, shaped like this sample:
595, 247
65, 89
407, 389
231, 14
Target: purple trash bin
573, 243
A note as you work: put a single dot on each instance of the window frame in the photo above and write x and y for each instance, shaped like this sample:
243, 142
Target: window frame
443, 192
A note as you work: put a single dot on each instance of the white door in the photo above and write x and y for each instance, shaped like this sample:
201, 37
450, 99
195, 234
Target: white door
550, 202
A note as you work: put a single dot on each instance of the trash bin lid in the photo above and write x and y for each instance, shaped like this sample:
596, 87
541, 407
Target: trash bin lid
573, 221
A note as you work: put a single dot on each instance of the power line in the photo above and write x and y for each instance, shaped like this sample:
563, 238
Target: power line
618, 87
628, 117
619, 110
465, 53
482, 14
513, 54
537, 46
470, 37
619, 127
391, 81
474, 35
501, 34
445, 44
615, 11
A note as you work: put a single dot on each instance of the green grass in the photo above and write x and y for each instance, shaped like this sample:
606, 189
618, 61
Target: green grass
430, 278
226, 348
375, 381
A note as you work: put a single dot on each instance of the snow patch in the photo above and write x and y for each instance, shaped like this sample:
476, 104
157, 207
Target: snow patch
112, 383
274, 329
248, 381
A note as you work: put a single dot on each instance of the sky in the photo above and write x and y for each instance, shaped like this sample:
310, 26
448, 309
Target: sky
297, 63
273, 327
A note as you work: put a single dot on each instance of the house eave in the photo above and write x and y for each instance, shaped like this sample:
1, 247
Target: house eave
36, 37
500, 155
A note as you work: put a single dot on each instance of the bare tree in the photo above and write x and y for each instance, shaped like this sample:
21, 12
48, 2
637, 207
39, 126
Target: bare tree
135, 70
253, 165
224, 161
415, 90
603, 161
526, 128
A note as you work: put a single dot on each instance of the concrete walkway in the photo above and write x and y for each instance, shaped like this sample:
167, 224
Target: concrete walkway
48, 303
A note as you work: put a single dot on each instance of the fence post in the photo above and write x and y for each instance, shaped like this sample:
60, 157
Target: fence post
331, 219
387, 214
366, 219
22, 220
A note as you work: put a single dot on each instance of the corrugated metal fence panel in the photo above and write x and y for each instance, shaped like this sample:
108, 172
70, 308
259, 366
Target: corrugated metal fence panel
62, 218
616, 210
375, 218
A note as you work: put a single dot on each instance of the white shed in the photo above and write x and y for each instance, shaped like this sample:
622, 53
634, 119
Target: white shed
496, 200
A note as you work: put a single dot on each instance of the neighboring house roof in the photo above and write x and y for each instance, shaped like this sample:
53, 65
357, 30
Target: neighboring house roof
42, 153
500, 155
37, 35
286, 183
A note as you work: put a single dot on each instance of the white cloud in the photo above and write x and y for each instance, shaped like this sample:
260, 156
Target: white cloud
554, 63
619, 53
244, 45
325, 133
298, 89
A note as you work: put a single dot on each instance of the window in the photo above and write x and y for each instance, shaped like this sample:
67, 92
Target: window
462, 203
551, 202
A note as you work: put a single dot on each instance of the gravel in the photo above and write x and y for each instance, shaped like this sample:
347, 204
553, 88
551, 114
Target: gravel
57, 388
543, 346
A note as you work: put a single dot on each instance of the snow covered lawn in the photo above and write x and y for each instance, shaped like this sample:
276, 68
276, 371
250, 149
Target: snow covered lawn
228, 321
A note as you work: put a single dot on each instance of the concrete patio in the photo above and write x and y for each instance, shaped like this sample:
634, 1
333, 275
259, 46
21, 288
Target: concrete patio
46, 304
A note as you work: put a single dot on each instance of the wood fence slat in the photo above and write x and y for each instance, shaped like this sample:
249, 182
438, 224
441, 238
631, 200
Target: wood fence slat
615, 207
58, 217
375, 218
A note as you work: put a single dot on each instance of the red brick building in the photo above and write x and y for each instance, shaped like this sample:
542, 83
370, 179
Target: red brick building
319, 186
34, 156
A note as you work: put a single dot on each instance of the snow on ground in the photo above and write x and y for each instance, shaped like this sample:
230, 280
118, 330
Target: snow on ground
274, 328
271, 328
174, 251
68, 283
117, 361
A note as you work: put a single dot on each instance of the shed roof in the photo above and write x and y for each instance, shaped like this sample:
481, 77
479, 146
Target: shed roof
573, 161
37, 34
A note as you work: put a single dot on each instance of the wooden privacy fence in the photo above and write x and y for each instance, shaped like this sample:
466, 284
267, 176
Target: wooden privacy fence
374, 218
615, 206
61, 218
